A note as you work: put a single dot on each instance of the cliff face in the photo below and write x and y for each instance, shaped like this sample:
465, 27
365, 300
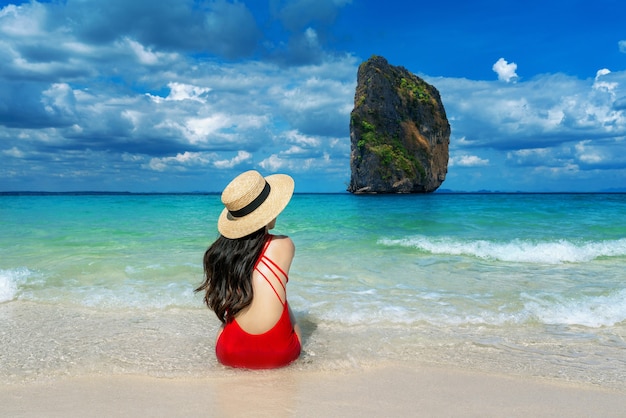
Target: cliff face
399, 132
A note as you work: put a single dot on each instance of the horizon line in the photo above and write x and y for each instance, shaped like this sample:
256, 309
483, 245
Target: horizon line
446, 191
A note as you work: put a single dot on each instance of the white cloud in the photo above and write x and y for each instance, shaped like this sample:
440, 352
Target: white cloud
147, 56
273, 163
468, 161
542, 112
589, 154
242, 156
200, 129
182, 91
301, 140
59, 100
601, 84
180, 161
622, 46
13, 152
296, 150
24, 20
506, 72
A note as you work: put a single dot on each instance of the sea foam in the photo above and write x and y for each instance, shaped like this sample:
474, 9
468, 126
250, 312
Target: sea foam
10, 281
589, 311
517, 250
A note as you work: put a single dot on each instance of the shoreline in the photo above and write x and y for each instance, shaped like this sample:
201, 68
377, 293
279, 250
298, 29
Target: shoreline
150, 343
387, 390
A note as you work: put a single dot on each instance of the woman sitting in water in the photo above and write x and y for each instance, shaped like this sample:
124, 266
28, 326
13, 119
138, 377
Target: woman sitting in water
246, 272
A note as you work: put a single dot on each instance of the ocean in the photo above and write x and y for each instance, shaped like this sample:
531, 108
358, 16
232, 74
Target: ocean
524, 284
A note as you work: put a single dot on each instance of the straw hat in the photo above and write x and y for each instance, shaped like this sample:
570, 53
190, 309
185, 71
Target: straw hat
252, 202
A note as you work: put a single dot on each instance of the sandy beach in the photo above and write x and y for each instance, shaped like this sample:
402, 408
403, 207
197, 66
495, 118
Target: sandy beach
392, 390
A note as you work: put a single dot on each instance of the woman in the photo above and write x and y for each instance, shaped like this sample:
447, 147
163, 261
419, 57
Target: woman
246, 272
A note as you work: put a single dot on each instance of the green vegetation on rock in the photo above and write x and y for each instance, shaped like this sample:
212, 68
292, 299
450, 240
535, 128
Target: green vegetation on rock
415, 90
390, 151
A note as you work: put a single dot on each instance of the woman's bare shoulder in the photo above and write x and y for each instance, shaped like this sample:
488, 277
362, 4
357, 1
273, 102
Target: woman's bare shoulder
283, 242
282, 246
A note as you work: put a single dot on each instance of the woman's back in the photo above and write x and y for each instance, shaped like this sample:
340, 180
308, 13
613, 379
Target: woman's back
269, 281
263, 335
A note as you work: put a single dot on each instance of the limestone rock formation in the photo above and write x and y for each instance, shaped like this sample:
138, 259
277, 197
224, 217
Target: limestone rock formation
399, 132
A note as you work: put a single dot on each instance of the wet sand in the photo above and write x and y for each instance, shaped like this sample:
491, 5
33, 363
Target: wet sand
390, 390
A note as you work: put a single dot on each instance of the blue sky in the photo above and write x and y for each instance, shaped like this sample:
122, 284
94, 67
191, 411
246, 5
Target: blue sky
181, 95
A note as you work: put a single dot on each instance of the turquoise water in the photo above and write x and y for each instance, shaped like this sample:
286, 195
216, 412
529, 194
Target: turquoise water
515, 283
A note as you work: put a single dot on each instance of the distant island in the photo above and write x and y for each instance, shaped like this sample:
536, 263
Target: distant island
399, 132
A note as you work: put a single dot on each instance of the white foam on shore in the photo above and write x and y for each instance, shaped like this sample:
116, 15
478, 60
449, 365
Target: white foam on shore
589, 311
412, 307
10, 281
333, 303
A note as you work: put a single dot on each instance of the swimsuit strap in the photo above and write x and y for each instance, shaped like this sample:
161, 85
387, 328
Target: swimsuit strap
273, 268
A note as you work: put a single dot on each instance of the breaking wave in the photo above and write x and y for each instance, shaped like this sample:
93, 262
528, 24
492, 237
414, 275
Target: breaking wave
517, 250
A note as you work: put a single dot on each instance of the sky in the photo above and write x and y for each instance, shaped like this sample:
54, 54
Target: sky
182, 95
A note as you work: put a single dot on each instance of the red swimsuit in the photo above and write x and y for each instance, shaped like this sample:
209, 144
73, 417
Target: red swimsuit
275, 348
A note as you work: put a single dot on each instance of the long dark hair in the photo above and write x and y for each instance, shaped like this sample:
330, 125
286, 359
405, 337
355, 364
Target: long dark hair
228, 267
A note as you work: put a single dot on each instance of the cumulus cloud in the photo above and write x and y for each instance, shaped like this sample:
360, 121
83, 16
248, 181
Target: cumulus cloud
468, 161
506, 72
59, 101
545, 111
601, 82
181, 161
147, 56
553, 125
274, 163
302, 141
607, 154
242, 156
182, 91
589, 154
